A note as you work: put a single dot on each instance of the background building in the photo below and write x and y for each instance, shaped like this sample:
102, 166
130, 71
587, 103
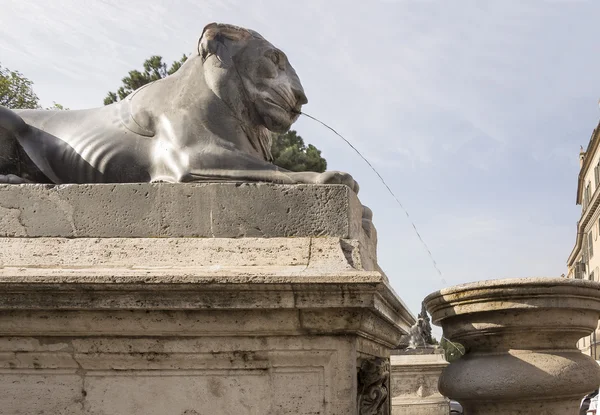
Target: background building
584, 261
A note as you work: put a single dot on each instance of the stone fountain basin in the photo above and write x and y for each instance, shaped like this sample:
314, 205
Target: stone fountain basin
520, 336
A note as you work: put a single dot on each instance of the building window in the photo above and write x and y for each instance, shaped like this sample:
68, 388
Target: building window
589, 192
597, 174
579, 269
590, 245
586, 196
593, 274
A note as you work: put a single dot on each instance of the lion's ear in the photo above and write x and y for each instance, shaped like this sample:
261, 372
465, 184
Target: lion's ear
213, 42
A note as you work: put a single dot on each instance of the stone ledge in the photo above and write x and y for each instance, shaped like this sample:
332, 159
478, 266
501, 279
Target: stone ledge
355, 303
210, 255
165, 291
323, 275
206, 210
425, 362
419, 407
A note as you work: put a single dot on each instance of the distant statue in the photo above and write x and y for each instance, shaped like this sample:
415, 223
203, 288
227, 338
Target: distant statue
425, 325
419, 335
212, 120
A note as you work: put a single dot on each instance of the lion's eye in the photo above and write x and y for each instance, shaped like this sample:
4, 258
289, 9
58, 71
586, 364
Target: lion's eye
275, 58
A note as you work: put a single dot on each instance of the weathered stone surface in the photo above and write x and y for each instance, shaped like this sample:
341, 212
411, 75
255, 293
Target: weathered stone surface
414, 384
133, 318
220, 348
156, 376
520, 336
153, 210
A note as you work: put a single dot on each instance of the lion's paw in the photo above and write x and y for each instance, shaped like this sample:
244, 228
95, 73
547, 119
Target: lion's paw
337, 177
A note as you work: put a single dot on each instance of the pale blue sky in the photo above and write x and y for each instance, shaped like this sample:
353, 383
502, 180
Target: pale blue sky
473, 111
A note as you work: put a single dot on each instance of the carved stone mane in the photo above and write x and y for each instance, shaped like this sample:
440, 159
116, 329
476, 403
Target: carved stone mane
258, 135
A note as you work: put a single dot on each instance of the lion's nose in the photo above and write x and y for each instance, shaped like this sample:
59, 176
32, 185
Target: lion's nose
300, 97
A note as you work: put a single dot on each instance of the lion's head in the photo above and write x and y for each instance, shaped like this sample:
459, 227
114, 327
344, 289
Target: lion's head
252, 76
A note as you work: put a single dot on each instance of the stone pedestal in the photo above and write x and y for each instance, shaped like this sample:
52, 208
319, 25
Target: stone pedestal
520, 337
415, 376
192, 299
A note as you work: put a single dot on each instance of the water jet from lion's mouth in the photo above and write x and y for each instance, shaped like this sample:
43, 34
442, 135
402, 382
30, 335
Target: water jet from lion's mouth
385, 184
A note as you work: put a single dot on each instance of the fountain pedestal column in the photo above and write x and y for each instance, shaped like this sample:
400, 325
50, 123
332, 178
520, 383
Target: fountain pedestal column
520, 336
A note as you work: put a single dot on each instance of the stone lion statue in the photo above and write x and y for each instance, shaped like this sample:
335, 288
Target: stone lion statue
210, 121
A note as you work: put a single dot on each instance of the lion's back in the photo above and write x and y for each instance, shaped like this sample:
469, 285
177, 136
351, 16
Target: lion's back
85, 146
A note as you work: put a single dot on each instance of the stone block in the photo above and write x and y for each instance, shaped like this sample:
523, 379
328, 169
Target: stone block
135, 299
414, 382
220, 348
165, 210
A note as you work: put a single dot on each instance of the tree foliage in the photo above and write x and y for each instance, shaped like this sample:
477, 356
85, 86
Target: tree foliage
57, 106
16, 91
289, 150
290, 153
452, 350
154, 69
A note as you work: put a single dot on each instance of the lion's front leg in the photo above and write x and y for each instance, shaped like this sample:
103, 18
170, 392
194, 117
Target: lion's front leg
271, 175
231, 165
328, 177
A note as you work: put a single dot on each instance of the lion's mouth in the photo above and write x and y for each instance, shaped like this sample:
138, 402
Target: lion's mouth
270, 101
280, 118
294, 112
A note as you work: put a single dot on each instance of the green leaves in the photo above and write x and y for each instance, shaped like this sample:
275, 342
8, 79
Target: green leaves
289, 152
57, 106
452, 351
154, 69
16, 91
176, 65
